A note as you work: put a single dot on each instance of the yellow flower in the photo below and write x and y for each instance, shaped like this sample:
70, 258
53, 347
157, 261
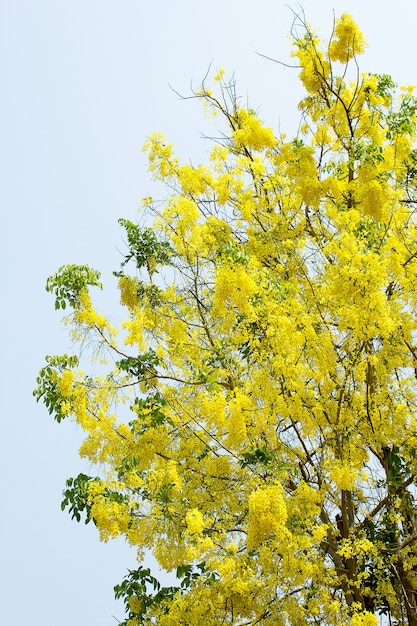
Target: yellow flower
135, 604
251, 133
65, 408
195, 521
364, 619
348, 40
267, 514
344, 476
128, 286
219, 75
65, 383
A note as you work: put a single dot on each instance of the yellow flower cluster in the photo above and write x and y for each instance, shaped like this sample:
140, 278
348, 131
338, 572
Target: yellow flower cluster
112, 518
135, 604
267, 515
195, 521
241, 408
193, 180
65, 383
89, 317
357, 546
365, 618
372, 194
234, 287
135, 330
219, 75
128, 286
343, 475
348, 40
66, 408
276, 358
162, 162
251, 133
315, 69
213, 233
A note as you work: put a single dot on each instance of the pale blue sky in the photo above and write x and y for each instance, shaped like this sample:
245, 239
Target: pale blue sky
82, 83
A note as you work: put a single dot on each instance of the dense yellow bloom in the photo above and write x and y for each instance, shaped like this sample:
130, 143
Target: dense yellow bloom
347, 40
256, 430
65, 408
65, 383
315, 68
195, 522
111, 518
267, 515
128, 286
251, 133
88, 316
135, 604
234, 285
344, 476
364, 619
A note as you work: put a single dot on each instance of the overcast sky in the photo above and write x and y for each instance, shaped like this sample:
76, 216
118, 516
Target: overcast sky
82, 83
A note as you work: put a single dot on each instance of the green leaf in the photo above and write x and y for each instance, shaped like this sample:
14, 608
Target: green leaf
67, 283
144, 247
76, 497
257, 456
140, 366
47, 383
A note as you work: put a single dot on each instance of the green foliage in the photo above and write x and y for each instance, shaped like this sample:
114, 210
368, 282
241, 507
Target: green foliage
366, 152
139, 584
67, 283
47, 383
397, 470
190, 573
146, 591
144, 247
402, 122
257, 456
232, 253
385, 85
141, 366
150, 412
151, 292
371, 233
76, 497
127, 465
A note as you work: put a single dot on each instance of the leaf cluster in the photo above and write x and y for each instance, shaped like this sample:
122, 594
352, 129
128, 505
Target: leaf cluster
144, 248
67, 283
47, 383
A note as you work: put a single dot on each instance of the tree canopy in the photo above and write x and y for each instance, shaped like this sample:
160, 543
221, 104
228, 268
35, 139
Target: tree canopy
253, 422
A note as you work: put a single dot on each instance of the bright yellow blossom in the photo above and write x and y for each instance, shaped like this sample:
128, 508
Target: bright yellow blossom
255, 430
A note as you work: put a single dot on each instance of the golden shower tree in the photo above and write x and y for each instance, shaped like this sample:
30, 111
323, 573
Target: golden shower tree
256, 427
